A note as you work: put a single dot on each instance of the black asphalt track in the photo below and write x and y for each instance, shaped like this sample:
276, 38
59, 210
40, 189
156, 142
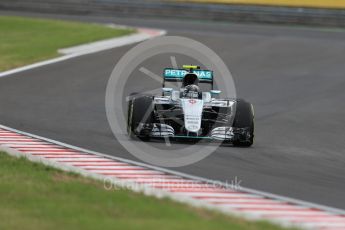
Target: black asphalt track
295, 77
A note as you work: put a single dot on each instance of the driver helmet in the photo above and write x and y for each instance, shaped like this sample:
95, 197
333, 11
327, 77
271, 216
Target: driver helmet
191, 91
192, 88
190, 79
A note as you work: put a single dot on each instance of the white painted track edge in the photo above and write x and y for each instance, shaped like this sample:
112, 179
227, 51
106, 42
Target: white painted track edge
90, 48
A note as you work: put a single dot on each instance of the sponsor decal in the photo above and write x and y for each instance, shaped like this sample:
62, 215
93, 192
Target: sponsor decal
192, 101
180, 73
193, 127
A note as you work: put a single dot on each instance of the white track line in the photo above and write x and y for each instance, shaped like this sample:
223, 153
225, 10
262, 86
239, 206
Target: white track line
77, 51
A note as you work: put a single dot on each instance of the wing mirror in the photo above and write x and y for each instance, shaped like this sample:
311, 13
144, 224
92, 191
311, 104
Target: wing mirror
167, 91
215, 93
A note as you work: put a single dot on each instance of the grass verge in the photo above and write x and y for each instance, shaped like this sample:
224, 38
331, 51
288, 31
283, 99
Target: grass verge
34, 196
27, 40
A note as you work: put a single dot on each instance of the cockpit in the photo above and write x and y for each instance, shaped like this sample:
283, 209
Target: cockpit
190, 88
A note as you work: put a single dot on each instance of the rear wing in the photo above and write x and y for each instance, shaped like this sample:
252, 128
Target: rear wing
170, 74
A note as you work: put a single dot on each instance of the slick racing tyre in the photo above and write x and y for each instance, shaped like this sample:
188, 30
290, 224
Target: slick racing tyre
244, 118
140, 111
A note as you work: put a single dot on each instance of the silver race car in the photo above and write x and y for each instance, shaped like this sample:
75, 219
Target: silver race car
186, 111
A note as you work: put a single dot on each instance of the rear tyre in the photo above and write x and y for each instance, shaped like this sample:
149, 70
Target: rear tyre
140, 111
244, 118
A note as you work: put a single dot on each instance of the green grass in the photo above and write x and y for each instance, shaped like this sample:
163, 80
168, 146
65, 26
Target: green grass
34, 196
27, 40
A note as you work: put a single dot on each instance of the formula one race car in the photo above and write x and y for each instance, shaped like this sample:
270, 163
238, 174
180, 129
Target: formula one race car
190, 113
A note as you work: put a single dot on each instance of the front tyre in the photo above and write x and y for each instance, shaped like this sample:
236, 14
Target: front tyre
140, 115
244, 119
